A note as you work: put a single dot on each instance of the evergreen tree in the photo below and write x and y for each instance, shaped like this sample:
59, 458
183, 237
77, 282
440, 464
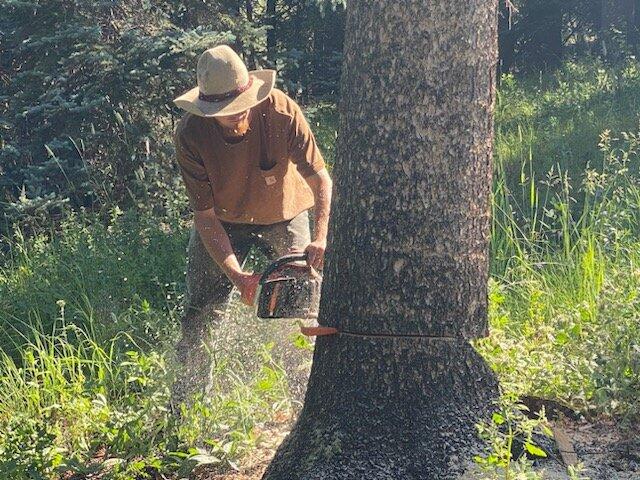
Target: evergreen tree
86, 99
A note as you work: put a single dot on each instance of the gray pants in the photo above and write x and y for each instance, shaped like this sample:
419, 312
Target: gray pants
208, 291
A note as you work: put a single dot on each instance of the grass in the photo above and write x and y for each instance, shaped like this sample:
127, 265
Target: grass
88, 317
124, 275
554, 122
75, 405
564, 307
89, 311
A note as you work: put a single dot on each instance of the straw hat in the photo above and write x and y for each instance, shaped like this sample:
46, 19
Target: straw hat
225, 86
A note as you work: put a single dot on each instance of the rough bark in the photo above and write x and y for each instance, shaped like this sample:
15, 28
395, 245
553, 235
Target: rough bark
393, 409
413, 176
397, 393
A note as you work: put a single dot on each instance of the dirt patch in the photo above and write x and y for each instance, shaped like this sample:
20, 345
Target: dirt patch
607, 451
255, 464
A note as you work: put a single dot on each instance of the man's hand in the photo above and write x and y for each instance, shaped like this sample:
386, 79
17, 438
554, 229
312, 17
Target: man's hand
247, 284
315, 253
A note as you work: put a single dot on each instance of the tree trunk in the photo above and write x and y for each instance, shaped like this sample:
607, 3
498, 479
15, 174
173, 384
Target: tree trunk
617, 15
546, 45
396, 394
272, 38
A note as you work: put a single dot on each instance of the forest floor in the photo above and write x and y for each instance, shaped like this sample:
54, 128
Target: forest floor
606, 452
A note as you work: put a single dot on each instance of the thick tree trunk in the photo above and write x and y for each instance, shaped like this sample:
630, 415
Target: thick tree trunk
396, 394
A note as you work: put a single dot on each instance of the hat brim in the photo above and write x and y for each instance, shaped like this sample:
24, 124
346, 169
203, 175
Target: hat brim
263, 82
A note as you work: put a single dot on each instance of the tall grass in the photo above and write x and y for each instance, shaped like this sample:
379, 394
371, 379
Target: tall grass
564, 309
121, 275
72, 404
88, 317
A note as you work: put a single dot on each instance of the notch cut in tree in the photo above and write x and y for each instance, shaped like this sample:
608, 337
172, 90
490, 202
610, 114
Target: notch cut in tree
397, 393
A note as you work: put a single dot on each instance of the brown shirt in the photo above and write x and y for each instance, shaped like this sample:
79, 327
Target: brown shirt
258, 180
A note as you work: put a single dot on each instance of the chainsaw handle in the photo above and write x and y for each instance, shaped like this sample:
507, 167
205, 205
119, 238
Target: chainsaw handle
295, 257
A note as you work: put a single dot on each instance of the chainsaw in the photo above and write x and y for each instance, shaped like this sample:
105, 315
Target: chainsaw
289, 288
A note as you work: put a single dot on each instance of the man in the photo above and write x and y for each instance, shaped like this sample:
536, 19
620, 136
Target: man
252, 170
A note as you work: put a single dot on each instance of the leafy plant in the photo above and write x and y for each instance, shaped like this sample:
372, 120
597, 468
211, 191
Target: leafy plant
510, 438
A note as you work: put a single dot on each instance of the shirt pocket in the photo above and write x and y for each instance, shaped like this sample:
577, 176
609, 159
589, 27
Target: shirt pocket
274, 176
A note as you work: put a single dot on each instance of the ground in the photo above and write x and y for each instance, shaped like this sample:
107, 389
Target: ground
606, 452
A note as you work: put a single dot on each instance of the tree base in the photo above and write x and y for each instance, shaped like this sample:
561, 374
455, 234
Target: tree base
388, 409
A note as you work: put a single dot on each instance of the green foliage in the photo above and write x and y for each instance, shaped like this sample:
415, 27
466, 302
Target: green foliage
85, 105
555, 122
307, 38
75, 397
323, 120
122, 275
537, 35
564, 312
80, 396
510, 438
73, 404
88, 316
86, 110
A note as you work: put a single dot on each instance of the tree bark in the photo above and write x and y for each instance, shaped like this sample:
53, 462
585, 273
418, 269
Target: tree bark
396, 394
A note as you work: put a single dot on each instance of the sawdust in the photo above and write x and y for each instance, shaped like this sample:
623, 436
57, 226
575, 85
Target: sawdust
607, 451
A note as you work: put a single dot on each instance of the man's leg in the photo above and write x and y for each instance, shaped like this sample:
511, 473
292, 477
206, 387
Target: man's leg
278, 240
207, 295
282, 238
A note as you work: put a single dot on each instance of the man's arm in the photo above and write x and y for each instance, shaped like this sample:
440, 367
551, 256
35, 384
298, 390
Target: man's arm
213, 235
216, 241
321, 185
304, 152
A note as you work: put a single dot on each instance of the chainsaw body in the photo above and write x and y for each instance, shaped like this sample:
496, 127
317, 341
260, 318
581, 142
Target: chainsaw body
289, 288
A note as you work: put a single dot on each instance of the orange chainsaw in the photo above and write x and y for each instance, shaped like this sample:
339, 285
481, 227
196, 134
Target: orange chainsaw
289, 288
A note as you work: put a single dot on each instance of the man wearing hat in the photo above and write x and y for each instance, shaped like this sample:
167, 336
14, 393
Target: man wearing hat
252, 171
